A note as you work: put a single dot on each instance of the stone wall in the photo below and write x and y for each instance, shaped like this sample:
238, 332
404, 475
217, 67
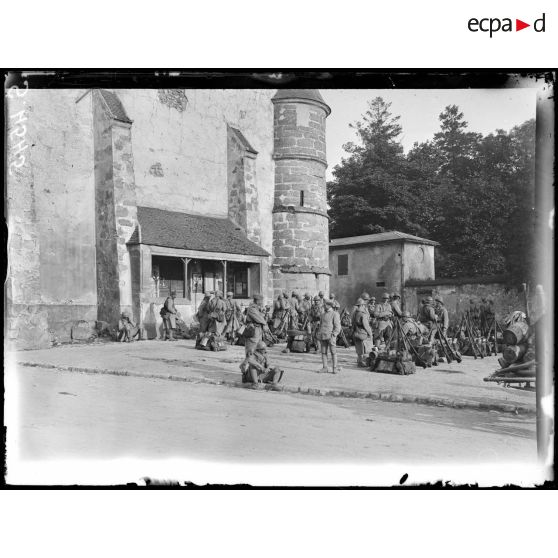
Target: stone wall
50, 216
456, 294
180, 143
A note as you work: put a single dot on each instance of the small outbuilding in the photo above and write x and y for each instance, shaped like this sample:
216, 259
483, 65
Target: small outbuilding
377, 263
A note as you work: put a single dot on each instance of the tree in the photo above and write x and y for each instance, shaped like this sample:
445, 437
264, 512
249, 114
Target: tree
472, 194
371, 190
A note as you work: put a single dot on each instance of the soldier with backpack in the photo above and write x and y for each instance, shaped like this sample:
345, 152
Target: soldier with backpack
256, 369
361, 332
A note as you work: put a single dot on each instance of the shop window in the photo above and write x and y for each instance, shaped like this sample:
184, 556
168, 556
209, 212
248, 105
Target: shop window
343, 264
168, 274
380, 283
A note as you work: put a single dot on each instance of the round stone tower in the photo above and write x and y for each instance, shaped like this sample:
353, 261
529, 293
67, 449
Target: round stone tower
300, 221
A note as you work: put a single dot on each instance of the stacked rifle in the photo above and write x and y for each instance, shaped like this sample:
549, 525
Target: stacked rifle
470, 339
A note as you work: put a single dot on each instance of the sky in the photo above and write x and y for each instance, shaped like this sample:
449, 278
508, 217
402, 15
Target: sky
485, 110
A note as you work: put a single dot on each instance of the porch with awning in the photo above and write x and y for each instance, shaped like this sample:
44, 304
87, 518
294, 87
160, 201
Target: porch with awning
192, 255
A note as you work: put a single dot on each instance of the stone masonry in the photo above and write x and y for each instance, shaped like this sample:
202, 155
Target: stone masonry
300, 221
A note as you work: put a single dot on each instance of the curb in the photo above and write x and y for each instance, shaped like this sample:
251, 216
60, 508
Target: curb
314, 392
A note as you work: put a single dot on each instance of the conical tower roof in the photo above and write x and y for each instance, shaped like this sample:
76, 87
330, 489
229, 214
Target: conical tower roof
301, 94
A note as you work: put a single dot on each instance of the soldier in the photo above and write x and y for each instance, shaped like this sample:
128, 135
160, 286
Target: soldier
216, 307
294, 303
328, 330
427, 315
203, 313
371, 306
168, 313
335, 303
256, 369
314, 319
361, 331
410, 327
396, 305
442, 317
232, 315
383, 314
255, 320
366, 298
304, 308
322, 299
127, 330
277, 307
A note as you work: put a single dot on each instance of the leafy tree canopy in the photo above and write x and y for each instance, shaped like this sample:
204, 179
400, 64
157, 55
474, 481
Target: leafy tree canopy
473, 194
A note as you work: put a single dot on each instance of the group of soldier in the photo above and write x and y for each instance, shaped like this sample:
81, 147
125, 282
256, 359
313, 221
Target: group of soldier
370, 323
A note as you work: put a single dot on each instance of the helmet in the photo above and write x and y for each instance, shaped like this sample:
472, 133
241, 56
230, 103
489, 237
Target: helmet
258, 297
359, 302
261, 346
428, 300
230, 293
439, 299
385, 296
321, 293
365, 296
395, 295
406, 314
328, 302
307, 295
316, 298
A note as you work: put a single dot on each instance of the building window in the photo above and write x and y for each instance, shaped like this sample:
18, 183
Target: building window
380, 283
237, 280
302, 198
343, 264
168, 274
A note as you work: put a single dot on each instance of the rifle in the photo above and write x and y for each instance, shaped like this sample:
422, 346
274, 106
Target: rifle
472, 339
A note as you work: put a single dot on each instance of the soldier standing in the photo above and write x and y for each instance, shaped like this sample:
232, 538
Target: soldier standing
216, 307
232, 315
427, 315
383, 314
328, 330
203, 313
396, 305
315, 314
168, 313
255, 320
361, 331
442, 317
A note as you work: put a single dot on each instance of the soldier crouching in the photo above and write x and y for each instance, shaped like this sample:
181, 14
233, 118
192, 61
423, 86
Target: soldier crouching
256, 370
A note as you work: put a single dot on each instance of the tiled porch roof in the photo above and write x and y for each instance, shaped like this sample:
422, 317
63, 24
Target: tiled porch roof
173, 229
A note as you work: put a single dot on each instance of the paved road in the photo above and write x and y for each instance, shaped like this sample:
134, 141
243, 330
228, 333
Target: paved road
65, 414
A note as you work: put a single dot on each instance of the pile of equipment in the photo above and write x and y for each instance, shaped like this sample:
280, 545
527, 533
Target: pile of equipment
210, 342
517, 363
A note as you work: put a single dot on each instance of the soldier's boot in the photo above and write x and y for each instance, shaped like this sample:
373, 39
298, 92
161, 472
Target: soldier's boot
171, 336
361, 361
336, 369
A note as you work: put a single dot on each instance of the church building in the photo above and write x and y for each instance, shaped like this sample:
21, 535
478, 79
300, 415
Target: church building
121, 196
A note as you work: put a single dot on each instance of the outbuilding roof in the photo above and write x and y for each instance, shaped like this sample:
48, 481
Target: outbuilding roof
173, 229
391, 236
